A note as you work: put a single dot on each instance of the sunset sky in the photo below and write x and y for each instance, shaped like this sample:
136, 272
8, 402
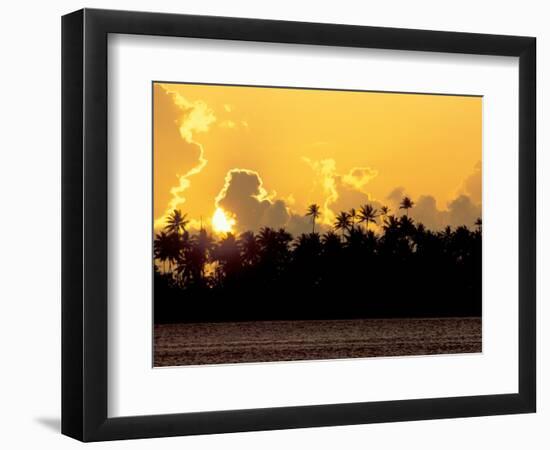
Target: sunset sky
253, 157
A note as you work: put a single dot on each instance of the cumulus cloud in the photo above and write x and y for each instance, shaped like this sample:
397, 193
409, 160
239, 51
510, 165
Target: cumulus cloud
298, 224
395, 196
276, 215
462, 211
425, 211
471, 186
459, 211
340, 192
244, 196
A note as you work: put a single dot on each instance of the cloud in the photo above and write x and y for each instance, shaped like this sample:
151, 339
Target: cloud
276, 215
358, 177
462, 211
395, 197
244, 196
471, 186
343, 192
425, 211
350, 197
298, 224
227, 124
459, 211
194, 117
340, 192
325, 171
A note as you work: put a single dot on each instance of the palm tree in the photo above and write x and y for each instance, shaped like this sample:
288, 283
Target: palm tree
353, 216
384, 212
367, 214
167, 248
283, 239
249, 247
313, 211
332, 246
176, 222
307, 245
265, 238
203, 244
406, 226
331, 239
161, 248
478, 223
391, 225
228, 255
343, 222
406, 204
273, 247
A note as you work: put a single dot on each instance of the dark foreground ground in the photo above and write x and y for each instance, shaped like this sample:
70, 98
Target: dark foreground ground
239, 342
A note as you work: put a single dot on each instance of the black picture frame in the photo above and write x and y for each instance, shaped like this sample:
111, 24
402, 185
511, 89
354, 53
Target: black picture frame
84, 224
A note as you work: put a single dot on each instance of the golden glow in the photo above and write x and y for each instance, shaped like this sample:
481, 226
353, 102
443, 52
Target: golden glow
221, 223
289, 148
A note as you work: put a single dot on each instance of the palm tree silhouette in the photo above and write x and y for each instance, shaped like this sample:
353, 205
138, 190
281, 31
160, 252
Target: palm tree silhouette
367, 214
196, 273
313, 211
391, 225
167, 248
249, 247
353, 216
265, 238
161, 248
343, 222
406, 204
227, 253
478, 223
406, 226
331, 239
176, 222
202, 246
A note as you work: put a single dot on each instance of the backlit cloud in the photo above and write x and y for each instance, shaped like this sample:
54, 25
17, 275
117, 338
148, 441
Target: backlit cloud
340, 192
194, 117
459, 211
245, 198
359, 147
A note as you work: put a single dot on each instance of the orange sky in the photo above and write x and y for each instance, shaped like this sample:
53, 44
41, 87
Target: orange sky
263, 154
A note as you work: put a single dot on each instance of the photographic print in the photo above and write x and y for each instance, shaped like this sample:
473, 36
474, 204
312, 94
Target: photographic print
314, 224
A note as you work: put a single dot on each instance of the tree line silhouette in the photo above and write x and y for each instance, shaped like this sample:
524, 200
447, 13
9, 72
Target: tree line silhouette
403, 270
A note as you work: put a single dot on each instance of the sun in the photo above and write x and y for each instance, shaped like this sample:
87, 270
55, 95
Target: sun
222, 222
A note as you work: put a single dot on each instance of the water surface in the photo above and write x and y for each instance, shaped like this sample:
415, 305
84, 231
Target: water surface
239, 342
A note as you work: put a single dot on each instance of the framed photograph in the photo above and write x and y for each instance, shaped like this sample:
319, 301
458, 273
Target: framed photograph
273, 224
